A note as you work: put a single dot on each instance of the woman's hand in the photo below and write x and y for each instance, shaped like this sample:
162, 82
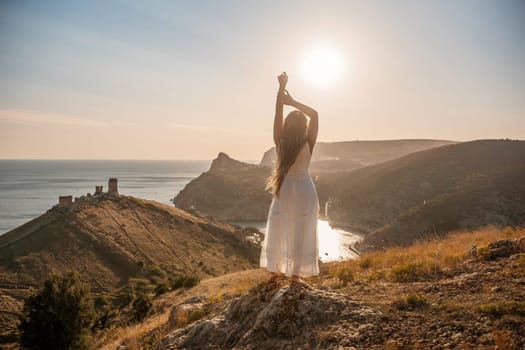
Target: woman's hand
287, 99
283, 80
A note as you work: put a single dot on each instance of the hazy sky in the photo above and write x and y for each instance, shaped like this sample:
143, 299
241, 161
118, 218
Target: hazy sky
187, 79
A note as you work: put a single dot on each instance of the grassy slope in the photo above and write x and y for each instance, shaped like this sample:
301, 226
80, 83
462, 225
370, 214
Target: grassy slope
444, 293
447, 188
107, 241
113, 239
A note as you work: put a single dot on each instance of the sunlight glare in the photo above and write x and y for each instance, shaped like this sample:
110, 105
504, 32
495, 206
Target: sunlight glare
322, 66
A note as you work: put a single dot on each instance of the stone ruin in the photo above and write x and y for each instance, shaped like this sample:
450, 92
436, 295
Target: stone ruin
98, 190
67, 201
113, 186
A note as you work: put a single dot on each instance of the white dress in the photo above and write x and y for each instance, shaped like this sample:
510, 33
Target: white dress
291, 244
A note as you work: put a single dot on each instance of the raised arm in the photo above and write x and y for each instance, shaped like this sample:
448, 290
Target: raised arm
278, 120
313, 125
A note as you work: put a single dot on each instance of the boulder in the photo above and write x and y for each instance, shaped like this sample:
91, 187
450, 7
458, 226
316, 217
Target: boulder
273, 315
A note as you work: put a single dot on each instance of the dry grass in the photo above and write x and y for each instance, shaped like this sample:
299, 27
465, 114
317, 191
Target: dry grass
213, 290
420, 261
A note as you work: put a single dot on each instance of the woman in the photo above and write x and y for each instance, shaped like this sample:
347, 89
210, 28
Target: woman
290, 246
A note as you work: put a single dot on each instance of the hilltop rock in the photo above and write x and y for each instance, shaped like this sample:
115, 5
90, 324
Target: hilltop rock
224, 162
230, 189
274, 315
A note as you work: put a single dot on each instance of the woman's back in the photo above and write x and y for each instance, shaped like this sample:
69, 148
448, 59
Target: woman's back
302, 162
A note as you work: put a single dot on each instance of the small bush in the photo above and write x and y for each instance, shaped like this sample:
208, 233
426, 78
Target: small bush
499, 309
195, 315
141, 307
345, 275
161, 288
183, 281
102, 302
127, 294
521, 261
365, 263
483, 253
141, 285
158, 272
413, 271
412, 301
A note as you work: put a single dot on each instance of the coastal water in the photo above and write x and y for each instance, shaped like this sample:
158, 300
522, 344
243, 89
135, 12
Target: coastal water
28, 188
333, 243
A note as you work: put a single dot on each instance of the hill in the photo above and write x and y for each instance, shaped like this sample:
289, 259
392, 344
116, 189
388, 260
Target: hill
234, 191
349, 155
463, 292
111, 239
230, 189
461, 186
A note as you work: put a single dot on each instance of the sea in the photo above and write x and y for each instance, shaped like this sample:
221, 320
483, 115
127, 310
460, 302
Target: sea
28, 188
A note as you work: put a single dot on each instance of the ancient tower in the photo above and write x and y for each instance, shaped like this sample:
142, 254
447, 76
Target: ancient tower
113, 186
65, 201
98, 190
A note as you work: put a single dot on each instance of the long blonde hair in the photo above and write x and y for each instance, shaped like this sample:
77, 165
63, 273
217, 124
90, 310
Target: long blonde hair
291, 143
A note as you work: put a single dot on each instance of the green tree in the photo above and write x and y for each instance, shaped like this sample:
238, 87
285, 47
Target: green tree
58, 316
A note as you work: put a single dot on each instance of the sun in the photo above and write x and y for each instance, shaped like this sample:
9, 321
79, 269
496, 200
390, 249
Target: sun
322, 66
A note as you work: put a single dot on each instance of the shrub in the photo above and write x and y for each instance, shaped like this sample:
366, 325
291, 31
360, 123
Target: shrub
157, 271
161, 288
503, 308
127, 294
102, 302
183, 281
58, 315
521, 260
483, 253
141, 307
412, 301
345, 275
365, 262
413, 271
195, 315
140, 285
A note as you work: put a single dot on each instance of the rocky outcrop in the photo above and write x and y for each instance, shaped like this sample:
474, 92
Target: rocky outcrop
274, 315
498, 249
230, 189
224, 162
